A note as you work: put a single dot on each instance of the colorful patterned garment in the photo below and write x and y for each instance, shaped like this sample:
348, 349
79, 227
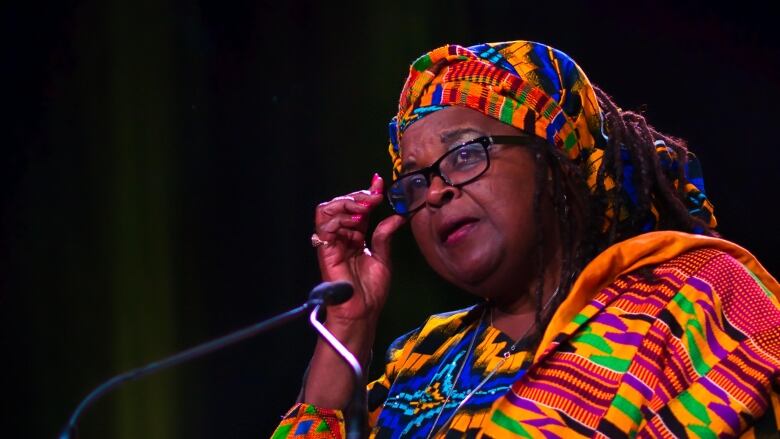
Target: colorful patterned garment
541, 91
424, 368
421, 369
664, 335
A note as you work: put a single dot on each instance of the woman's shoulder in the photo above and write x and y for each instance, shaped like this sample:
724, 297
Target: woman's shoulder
734, 285
685, 278
712, 259
711, 264
724, 268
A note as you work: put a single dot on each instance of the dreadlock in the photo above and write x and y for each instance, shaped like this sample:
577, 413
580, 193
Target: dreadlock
583, 227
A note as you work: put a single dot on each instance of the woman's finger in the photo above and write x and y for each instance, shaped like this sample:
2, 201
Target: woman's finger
342, 239
359, 202
377, 185
343, 221
338, 206
380, 240
354, 237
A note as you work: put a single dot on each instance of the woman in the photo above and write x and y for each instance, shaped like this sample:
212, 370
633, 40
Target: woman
609, 307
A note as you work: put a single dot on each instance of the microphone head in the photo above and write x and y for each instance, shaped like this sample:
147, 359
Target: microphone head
331, 293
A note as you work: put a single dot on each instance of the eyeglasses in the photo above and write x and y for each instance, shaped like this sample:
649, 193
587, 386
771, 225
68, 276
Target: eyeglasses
457, 167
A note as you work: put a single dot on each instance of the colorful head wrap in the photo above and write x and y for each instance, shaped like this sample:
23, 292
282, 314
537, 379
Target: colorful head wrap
537, 89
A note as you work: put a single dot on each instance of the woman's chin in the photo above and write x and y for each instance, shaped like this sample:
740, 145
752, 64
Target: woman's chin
474, 273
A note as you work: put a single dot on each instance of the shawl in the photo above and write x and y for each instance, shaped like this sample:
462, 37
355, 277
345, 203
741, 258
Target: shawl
666, 334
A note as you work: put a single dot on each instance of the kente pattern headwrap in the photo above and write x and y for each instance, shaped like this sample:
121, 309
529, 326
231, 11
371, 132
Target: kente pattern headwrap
540, 90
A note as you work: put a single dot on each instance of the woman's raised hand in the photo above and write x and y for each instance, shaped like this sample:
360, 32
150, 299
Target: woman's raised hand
343, 223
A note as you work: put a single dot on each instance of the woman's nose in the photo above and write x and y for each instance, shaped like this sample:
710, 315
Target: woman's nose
440, 192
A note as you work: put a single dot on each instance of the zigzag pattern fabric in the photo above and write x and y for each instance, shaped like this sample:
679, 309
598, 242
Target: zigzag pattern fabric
664, 335
410, 400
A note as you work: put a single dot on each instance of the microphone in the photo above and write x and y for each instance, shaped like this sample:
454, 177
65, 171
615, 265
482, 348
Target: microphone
331, 293
326, 293
356, 418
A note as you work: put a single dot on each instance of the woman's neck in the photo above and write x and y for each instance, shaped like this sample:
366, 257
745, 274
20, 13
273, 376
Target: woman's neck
516, 316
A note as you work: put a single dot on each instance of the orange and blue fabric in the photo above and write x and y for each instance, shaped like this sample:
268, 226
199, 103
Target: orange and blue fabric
542, 91
666, 334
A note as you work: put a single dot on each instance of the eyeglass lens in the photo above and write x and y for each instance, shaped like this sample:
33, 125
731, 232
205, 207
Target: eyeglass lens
457, 166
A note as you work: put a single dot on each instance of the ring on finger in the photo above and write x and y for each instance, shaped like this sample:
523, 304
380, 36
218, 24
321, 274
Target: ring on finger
317, 242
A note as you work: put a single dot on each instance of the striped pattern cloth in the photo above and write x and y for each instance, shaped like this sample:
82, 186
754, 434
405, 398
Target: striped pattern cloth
544, 92
663, 335
525, 84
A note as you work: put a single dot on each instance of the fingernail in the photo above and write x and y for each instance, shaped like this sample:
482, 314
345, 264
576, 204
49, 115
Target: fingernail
357, 218
374, 178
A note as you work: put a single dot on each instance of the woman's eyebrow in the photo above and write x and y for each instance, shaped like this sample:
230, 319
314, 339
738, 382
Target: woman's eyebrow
406, 166
449, 136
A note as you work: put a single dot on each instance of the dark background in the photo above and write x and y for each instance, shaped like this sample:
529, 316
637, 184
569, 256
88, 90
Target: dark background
162, 160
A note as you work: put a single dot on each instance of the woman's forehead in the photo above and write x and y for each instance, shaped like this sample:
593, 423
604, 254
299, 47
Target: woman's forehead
444, 126
433, 136
444, 129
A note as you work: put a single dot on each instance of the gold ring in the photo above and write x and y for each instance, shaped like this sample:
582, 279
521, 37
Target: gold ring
316, 241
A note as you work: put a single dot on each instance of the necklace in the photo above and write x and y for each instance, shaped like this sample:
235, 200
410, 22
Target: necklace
507, 353
460, 370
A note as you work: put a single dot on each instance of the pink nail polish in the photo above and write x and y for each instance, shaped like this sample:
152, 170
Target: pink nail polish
357, 218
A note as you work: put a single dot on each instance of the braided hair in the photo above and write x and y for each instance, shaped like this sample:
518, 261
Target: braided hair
584, 229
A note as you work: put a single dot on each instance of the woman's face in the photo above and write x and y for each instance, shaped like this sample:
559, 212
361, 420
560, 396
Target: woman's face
480, 237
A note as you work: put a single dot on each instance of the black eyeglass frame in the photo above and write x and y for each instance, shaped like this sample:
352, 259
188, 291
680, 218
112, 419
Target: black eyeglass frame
433, 169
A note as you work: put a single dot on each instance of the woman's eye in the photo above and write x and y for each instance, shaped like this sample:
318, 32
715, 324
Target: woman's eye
417, 181
469, 154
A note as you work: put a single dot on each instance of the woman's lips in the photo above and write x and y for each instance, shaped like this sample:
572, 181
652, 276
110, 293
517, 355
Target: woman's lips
458, 231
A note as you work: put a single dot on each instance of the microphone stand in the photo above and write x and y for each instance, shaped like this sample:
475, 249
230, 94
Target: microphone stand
356, 418
325, 293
